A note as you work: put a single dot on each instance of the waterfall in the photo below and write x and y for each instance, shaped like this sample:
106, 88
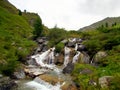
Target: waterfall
47, 56
76, 46
67, 54
76, 57
51, 57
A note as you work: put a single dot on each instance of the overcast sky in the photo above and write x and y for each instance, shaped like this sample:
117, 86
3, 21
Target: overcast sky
70, 14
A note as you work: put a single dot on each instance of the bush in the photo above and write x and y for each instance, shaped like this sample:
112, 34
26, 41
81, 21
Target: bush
56, 35
59, 47
38, 27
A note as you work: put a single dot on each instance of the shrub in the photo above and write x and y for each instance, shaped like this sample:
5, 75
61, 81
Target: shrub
56, 35
59, 47
38, 27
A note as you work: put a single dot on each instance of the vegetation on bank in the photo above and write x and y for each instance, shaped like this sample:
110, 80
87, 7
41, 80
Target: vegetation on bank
15, 38
102, 39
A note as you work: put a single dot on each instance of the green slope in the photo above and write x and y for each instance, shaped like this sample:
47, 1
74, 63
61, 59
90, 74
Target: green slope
109, 22
107, 40
15, 35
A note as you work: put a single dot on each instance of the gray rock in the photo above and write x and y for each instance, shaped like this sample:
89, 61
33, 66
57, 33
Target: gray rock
71, 44
34, 71
45, 48
81, 47
79, 40
19, 74
31, 62
98, 56
84, 58
69, 68
7, 84
64, 41
105, 81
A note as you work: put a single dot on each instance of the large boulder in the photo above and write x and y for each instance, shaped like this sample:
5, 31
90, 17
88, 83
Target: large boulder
7, 84
84, 58
98, 56
69, 68
105, 81
71, 44
81, 47
34, 71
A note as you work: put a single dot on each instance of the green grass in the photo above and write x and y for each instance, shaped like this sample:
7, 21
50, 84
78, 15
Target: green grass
104, 39
15, 40
8, 6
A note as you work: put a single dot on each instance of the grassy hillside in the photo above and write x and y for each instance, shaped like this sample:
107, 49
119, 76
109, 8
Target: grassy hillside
107, 40
15, 37
8, 6
107, 22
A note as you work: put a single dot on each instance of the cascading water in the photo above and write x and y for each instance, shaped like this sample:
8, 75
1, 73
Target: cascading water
46, 62
76, 57
39, 84
76, 46
45, 59
67, 55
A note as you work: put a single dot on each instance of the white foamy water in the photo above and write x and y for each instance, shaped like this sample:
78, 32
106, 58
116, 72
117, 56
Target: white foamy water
76, 46
76, 57
67, 55
47, 56
38, 84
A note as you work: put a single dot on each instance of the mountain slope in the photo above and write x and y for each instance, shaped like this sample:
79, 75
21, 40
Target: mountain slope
109, 21
15, 37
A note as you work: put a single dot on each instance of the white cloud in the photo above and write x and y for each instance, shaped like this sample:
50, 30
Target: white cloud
70, 14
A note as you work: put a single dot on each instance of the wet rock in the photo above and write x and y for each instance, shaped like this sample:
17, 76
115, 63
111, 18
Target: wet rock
19, 74
41, 40
69, 68
31, 61
34, 71
7, 84
71, 44
44, 48
105, 81
81, 48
